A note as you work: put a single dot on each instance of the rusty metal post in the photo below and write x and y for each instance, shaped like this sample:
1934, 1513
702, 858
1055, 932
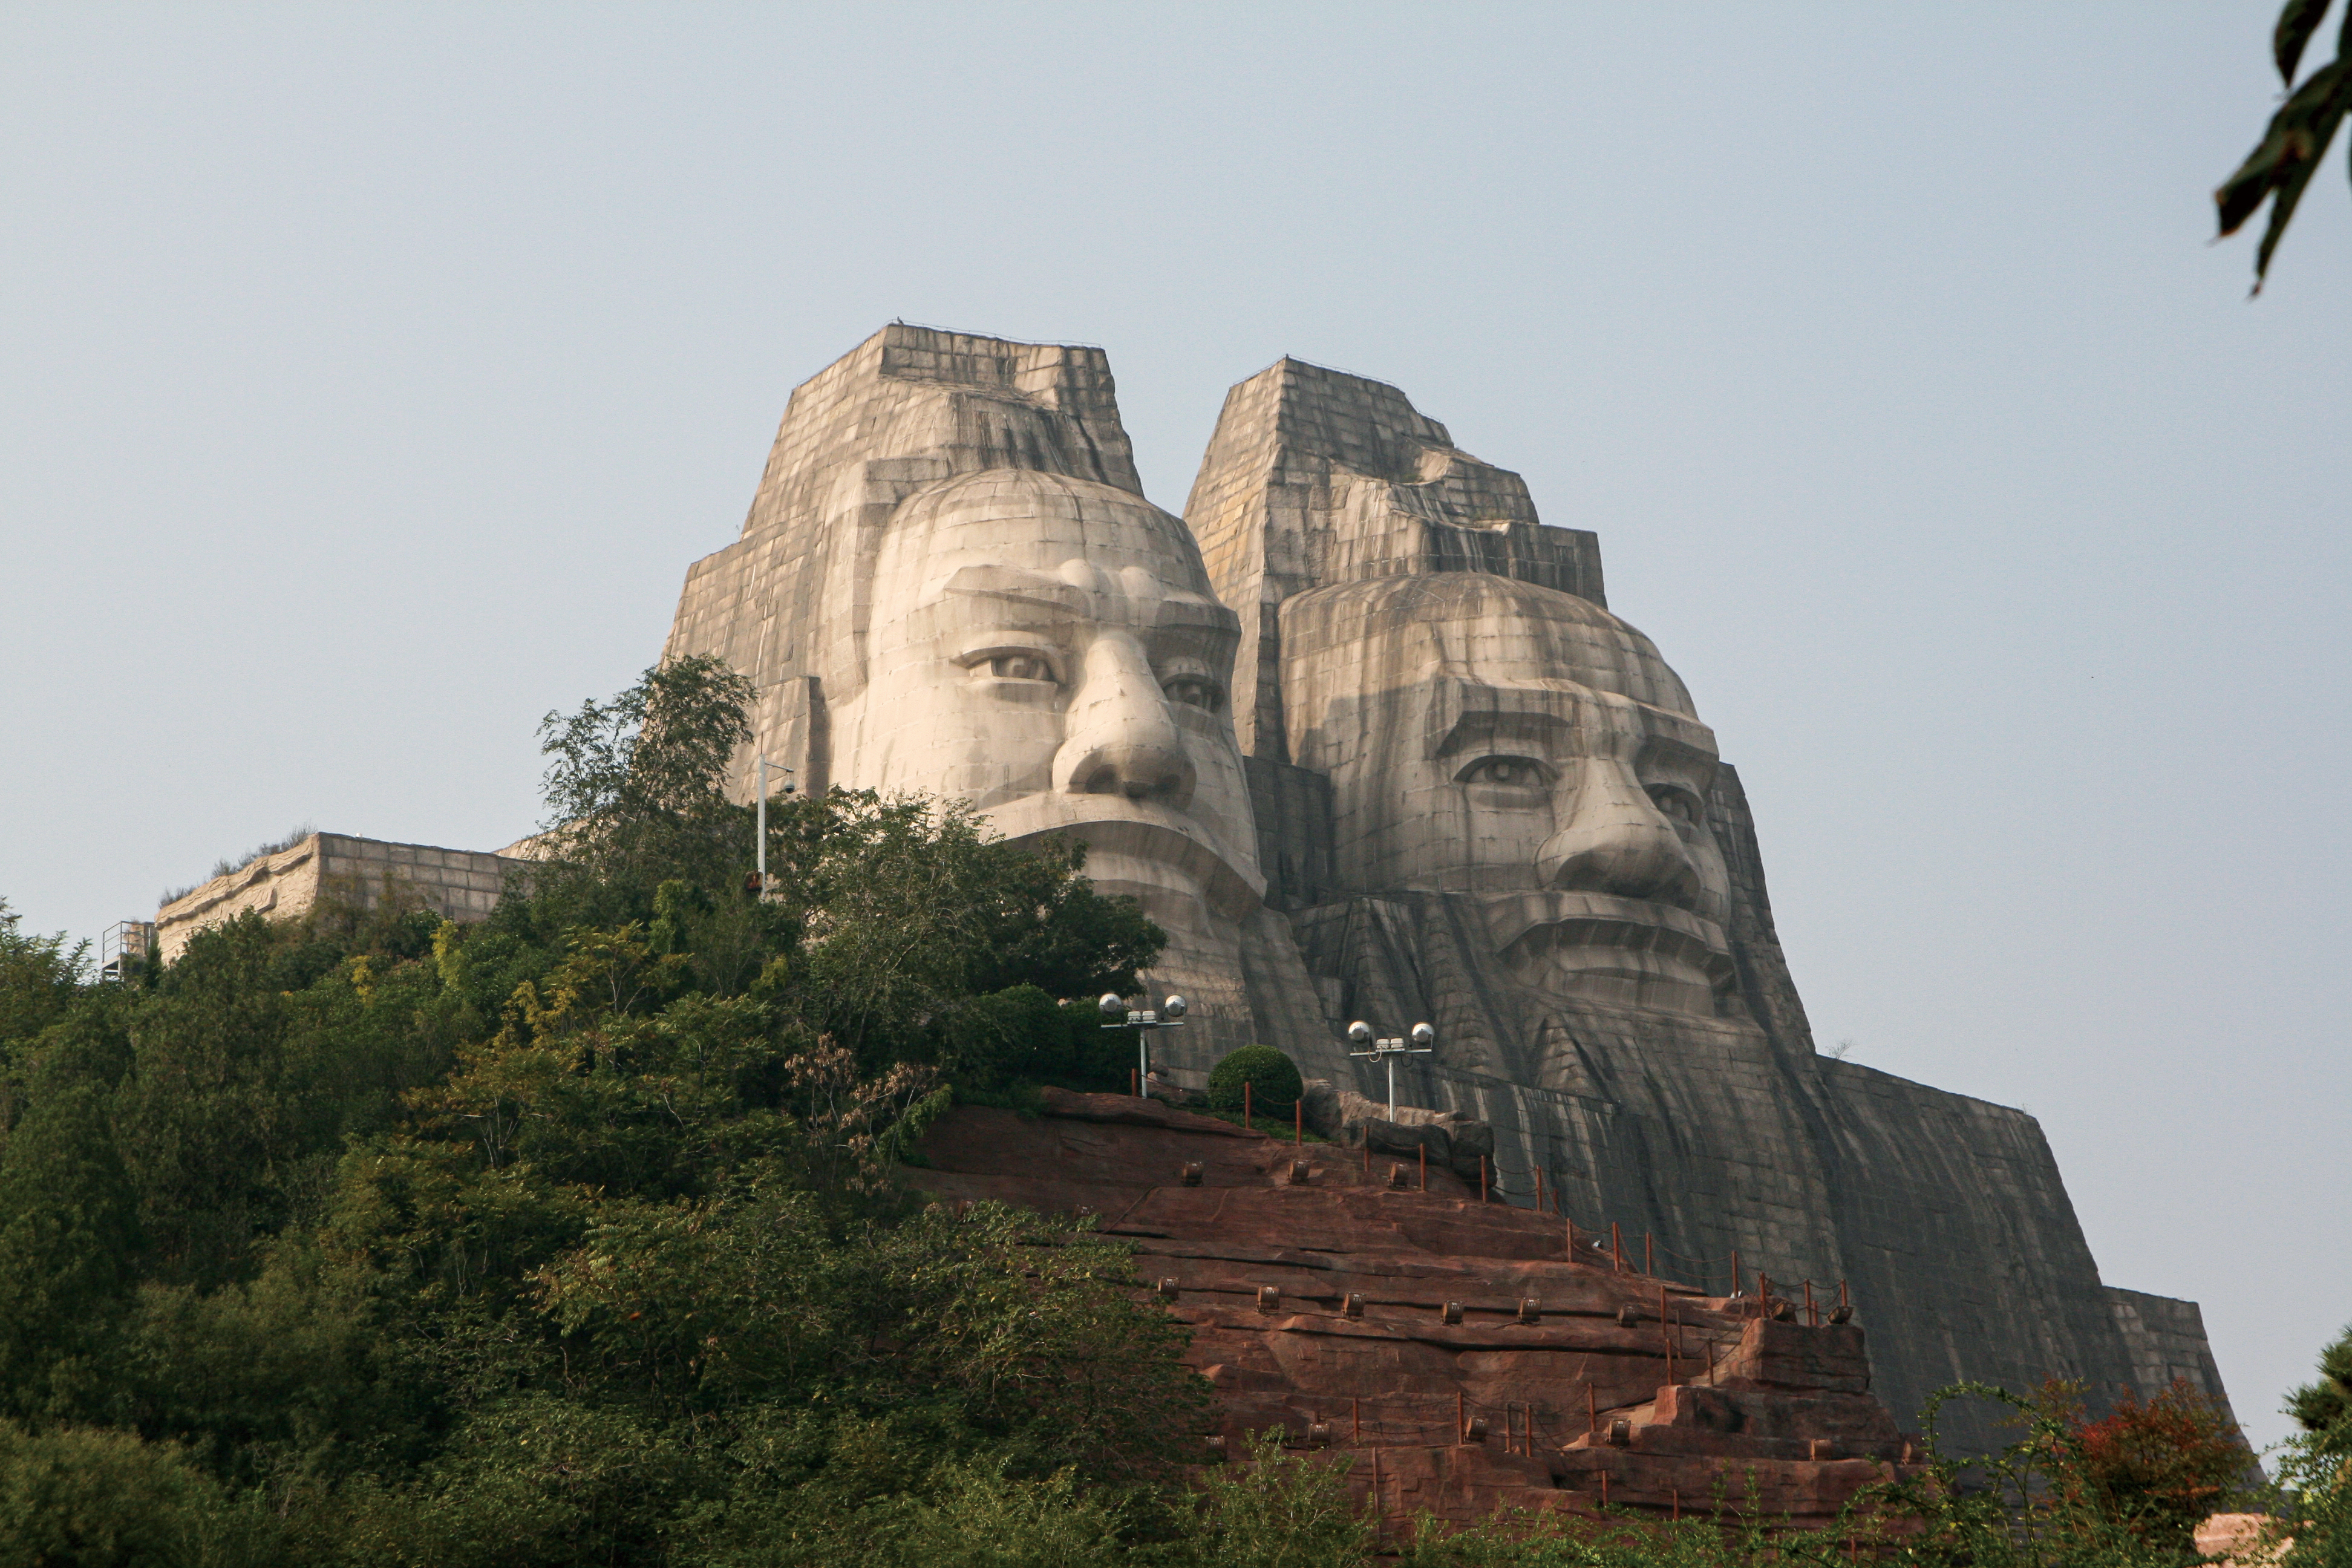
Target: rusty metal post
1842, 1300
1425, 1167
1299, 1123
1604, 1488
1131, 1085
1617, 1244
1540, 1199
1482, 1178
1735, 1271
1649, 1255
1248, 1115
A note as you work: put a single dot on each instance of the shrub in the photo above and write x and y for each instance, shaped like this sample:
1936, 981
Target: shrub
92, 1497
1273, 1078
2154, 1467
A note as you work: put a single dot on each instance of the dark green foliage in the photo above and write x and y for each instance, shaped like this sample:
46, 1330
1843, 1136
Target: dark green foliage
2298, 135
2316, 1470
1273, 1078
636, 786
574, 1237
96, 1498
2324, 1406
67, 1230
37, 976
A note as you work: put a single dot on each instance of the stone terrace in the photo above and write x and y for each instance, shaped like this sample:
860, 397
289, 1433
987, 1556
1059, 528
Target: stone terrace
1467, 1355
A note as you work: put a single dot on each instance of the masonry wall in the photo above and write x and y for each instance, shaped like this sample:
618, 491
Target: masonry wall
2167, 1340
462, 884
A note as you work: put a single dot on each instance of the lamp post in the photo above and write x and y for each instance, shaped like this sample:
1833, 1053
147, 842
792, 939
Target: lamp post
1423, 1041
759, 849
1171, 1016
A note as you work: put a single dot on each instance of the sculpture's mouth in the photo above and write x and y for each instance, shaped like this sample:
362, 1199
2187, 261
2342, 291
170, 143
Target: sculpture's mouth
1605, 948
1141, 848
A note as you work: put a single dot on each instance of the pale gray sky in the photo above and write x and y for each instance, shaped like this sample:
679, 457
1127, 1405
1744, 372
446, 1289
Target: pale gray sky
374, 373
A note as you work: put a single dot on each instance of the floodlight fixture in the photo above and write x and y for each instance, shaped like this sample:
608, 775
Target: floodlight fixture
1421, 1042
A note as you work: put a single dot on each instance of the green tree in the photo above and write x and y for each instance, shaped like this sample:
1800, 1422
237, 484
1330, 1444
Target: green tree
97, 1499
67, 1230
39, 978
2323, 1408
635, 787
2298, 135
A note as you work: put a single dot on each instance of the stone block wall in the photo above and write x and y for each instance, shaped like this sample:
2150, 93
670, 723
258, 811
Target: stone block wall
2166, 1338
462, 884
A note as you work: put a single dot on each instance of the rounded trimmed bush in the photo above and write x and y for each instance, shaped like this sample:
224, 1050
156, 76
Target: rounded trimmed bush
1273, 1078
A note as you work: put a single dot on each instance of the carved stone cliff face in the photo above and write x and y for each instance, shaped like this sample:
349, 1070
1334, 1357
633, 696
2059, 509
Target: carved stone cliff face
1374, 747
1522, 746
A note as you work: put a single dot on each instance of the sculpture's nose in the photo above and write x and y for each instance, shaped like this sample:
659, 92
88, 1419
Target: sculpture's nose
1618, 841
1121, 737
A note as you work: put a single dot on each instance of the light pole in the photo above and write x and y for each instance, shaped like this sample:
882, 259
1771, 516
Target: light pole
1170, 1016
759, 850
1424, 1040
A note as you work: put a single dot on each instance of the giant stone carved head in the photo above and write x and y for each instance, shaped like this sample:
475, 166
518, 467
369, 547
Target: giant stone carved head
1496, 737
951, 584
1047, 648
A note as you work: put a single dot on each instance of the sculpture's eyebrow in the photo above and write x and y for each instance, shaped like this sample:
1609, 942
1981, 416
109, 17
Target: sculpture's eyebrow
1018, 585
1691, 752
1200, 616
1478, 725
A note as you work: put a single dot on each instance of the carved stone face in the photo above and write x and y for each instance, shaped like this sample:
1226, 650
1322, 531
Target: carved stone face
1049, 650
1491, 737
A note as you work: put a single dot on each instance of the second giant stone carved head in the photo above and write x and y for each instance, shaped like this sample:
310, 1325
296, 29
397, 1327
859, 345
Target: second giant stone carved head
1494, 738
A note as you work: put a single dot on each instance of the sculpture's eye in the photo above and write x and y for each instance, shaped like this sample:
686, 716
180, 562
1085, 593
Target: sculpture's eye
1515, 773
1193, 691
1679, 805
1020, 666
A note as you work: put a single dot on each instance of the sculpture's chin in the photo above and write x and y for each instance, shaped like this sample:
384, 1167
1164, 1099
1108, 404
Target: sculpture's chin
1170, 863
1197, 893
1628, 953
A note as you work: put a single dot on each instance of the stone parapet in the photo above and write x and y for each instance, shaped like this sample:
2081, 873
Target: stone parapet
461, 884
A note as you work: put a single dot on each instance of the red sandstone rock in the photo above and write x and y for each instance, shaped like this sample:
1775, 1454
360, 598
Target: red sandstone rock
1716, 1400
